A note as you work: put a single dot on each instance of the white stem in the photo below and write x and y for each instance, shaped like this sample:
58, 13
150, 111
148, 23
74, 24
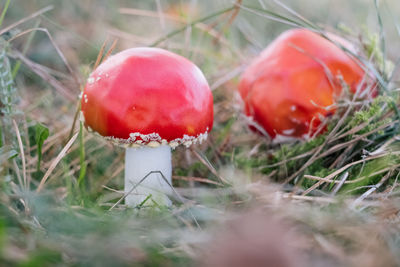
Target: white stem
139, 162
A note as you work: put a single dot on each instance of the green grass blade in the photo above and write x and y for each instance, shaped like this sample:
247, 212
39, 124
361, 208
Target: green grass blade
41, 134
3, 13
82, 171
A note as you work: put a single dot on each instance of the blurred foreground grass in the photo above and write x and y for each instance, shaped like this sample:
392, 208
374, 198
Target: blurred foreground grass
336, 195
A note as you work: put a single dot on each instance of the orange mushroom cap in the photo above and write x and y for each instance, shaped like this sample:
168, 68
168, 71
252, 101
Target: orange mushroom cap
295, 80
148, 96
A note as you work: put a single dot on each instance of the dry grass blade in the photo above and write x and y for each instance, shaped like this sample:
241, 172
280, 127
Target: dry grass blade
355, 139
42, 73
234, 13
196, 179
61, 55
55, 46
38, 13
271, 17
199, 25
371, 190
21, 149
285, 161
340, 184
332, 175
209, 166
336, 147
16, 169
160, 14
147, 13
231, 19
385, 146
112, 47
311, 177
100, 58
193, 23
308, 163
296, 14
112, 189
227, 77
339, 161
55, 162
356, 129
132, 189
133, 38
309, 198
100, 54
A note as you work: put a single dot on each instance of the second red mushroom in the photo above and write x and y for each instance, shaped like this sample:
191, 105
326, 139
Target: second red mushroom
296, 81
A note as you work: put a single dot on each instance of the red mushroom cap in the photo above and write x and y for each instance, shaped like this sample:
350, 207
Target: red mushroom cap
295, 80
148, 96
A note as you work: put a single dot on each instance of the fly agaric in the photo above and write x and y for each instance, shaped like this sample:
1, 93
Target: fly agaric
148, 100
296, 80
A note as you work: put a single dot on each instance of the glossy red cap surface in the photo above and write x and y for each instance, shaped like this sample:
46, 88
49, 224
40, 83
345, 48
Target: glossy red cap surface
295, 80
148, 96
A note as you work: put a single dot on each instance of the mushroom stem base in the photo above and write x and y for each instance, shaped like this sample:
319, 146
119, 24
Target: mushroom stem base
150, 162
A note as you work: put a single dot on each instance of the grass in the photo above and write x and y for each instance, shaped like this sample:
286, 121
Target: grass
331, 201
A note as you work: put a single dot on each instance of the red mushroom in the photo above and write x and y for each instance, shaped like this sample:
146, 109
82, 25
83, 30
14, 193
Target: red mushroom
295, 82
148, 100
